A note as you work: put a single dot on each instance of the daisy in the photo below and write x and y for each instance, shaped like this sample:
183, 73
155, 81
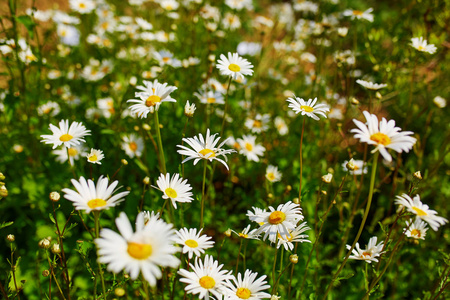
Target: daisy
253, 215
281, 126
246, 233
82, 6
204, 148
354, 167
416, 230
309, 108
421, 210
192, 242
358, 14
72, 153
272, 173
50, 108
207, 277
210, 97
189, 109
166, 58
151, 96
95, 156
386, 135
68, 135
144, 250
421, 45
248, 287
370, 85
295, 236
440, 102
231, 21
249, 148
259, 124
279, 222
370, 253
132, 145
176, 189
94, 197
234, 66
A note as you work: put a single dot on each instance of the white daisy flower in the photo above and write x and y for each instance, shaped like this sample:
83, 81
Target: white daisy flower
416, 230
165, 57
280, 221
370, 253
370, 85
95, 156
94, 197
189, 109
281, 126
272, 173
206, 278
246, 233
354, 167
210, 97
309, 108
50, 108
386, 135
421, 210
253, 215
176, 189
133, 145
151, 97
72, 153
248, 287
249, 148
259, 124
234, 66
295, 236
68, 135
358, 14
204, 148
82, 6
144, 250
193, 242
440, 102
421, 45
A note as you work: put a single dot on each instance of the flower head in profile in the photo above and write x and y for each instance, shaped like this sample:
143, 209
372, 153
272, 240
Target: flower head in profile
204, 148
234, 66
89, 196
143, 251
417, 229
421, 45
383, 135
295, 236
249, 148
64, 134
358, 14
422, 211
309, 108
247, 287
95, 156
176, 189
193, 242
72, 153
151, 95
206, 278
370, 253
246, 233
370, 85
272, 173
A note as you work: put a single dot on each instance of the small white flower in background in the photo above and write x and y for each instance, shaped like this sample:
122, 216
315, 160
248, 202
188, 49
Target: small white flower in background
239, 4
416, 230
370, 253
176, 189
247, 287
106, 106
440, 102
272, 173
370, 85
165, 57
275, 297
421, 45
358, 14
327, 178
82, 6
189, 109
95, 156
210, 97
281, 126
383, 135
309, 108
342, 31
50, 108
418, 175
421, 210
68, 135
234, 66
73, 153
249, 48
133, 145
356, 167
259, 124
249, 148
193, 242
231, 21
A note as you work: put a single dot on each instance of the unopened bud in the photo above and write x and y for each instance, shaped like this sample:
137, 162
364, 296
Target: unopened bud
3, 191
324, 192
44, 244
327, 178
11, 238
146, 180
189, 109
133, 80
342, 31
269, 195
418, 175
228, 232
351, 165
293, 258
146, 127
124, 162
45, 273
56, 249
54, 196
2, 177
296, 200
378, 95
288, 188
354, 101
119, 292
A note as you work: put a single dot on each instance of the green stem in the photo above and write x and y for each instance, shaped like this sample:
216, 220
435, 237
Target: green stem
273, 271
301, 162
203, 194
239, 254
97, 234
363, 222
160, 146
145, 286
225, 108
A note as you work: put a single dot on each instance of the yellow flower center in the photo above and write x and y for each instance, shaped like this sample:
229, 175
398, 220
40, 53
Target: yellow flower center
207, 282
306, 108
133, 146
152, 100
248, 146
92, 157
166, 59
82, 5
357, 13
366, 254
171, 193
380, 138
139, 251
191, 243
65, 137
234, 68
243, 293
72, 151
207, 152
416, 233
421, 48
277, 217
94, 203
257, 123
243, 235
211, 100
419, 212
271, 176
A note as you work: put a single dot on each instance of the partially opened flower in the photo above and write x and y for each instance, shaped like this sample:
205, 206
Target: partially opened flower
176, 189
248, 287
370, 85
295, 236
143, 251
417, 229
370, 253
234, 66
89, 196
383, 135
68, 135
193, 242
309, 108
358, 14
422, 45
246, 233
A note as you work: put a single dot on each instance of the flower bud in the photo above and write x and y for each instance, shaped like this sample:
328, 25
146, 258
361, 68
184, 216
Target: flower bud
228, 232
2, 177
342, 31
44, 244
275, 297
11, 238
3, 191
378, 95
296, 201
146, 180
189, 109
124, 162
354, 101
119, 292
293, 258
45, 273
56, 249
146, 127
351, 165
327, 178
54, 196
418, 175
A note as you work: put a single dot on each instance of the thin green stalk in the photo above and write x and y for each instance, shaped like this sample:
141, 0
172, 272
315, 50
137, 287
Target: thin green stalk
301, 162
63, 255
97, 234
182, 143
54, 277
203, 194
13, 270
363, 222
273, 271
225, 108
239, 254
160, 146
145, 287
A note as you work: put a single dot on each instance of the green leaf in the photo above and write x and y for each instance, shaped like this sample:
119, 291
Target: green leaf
28, 23
141, 166
50, 215
6, 224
